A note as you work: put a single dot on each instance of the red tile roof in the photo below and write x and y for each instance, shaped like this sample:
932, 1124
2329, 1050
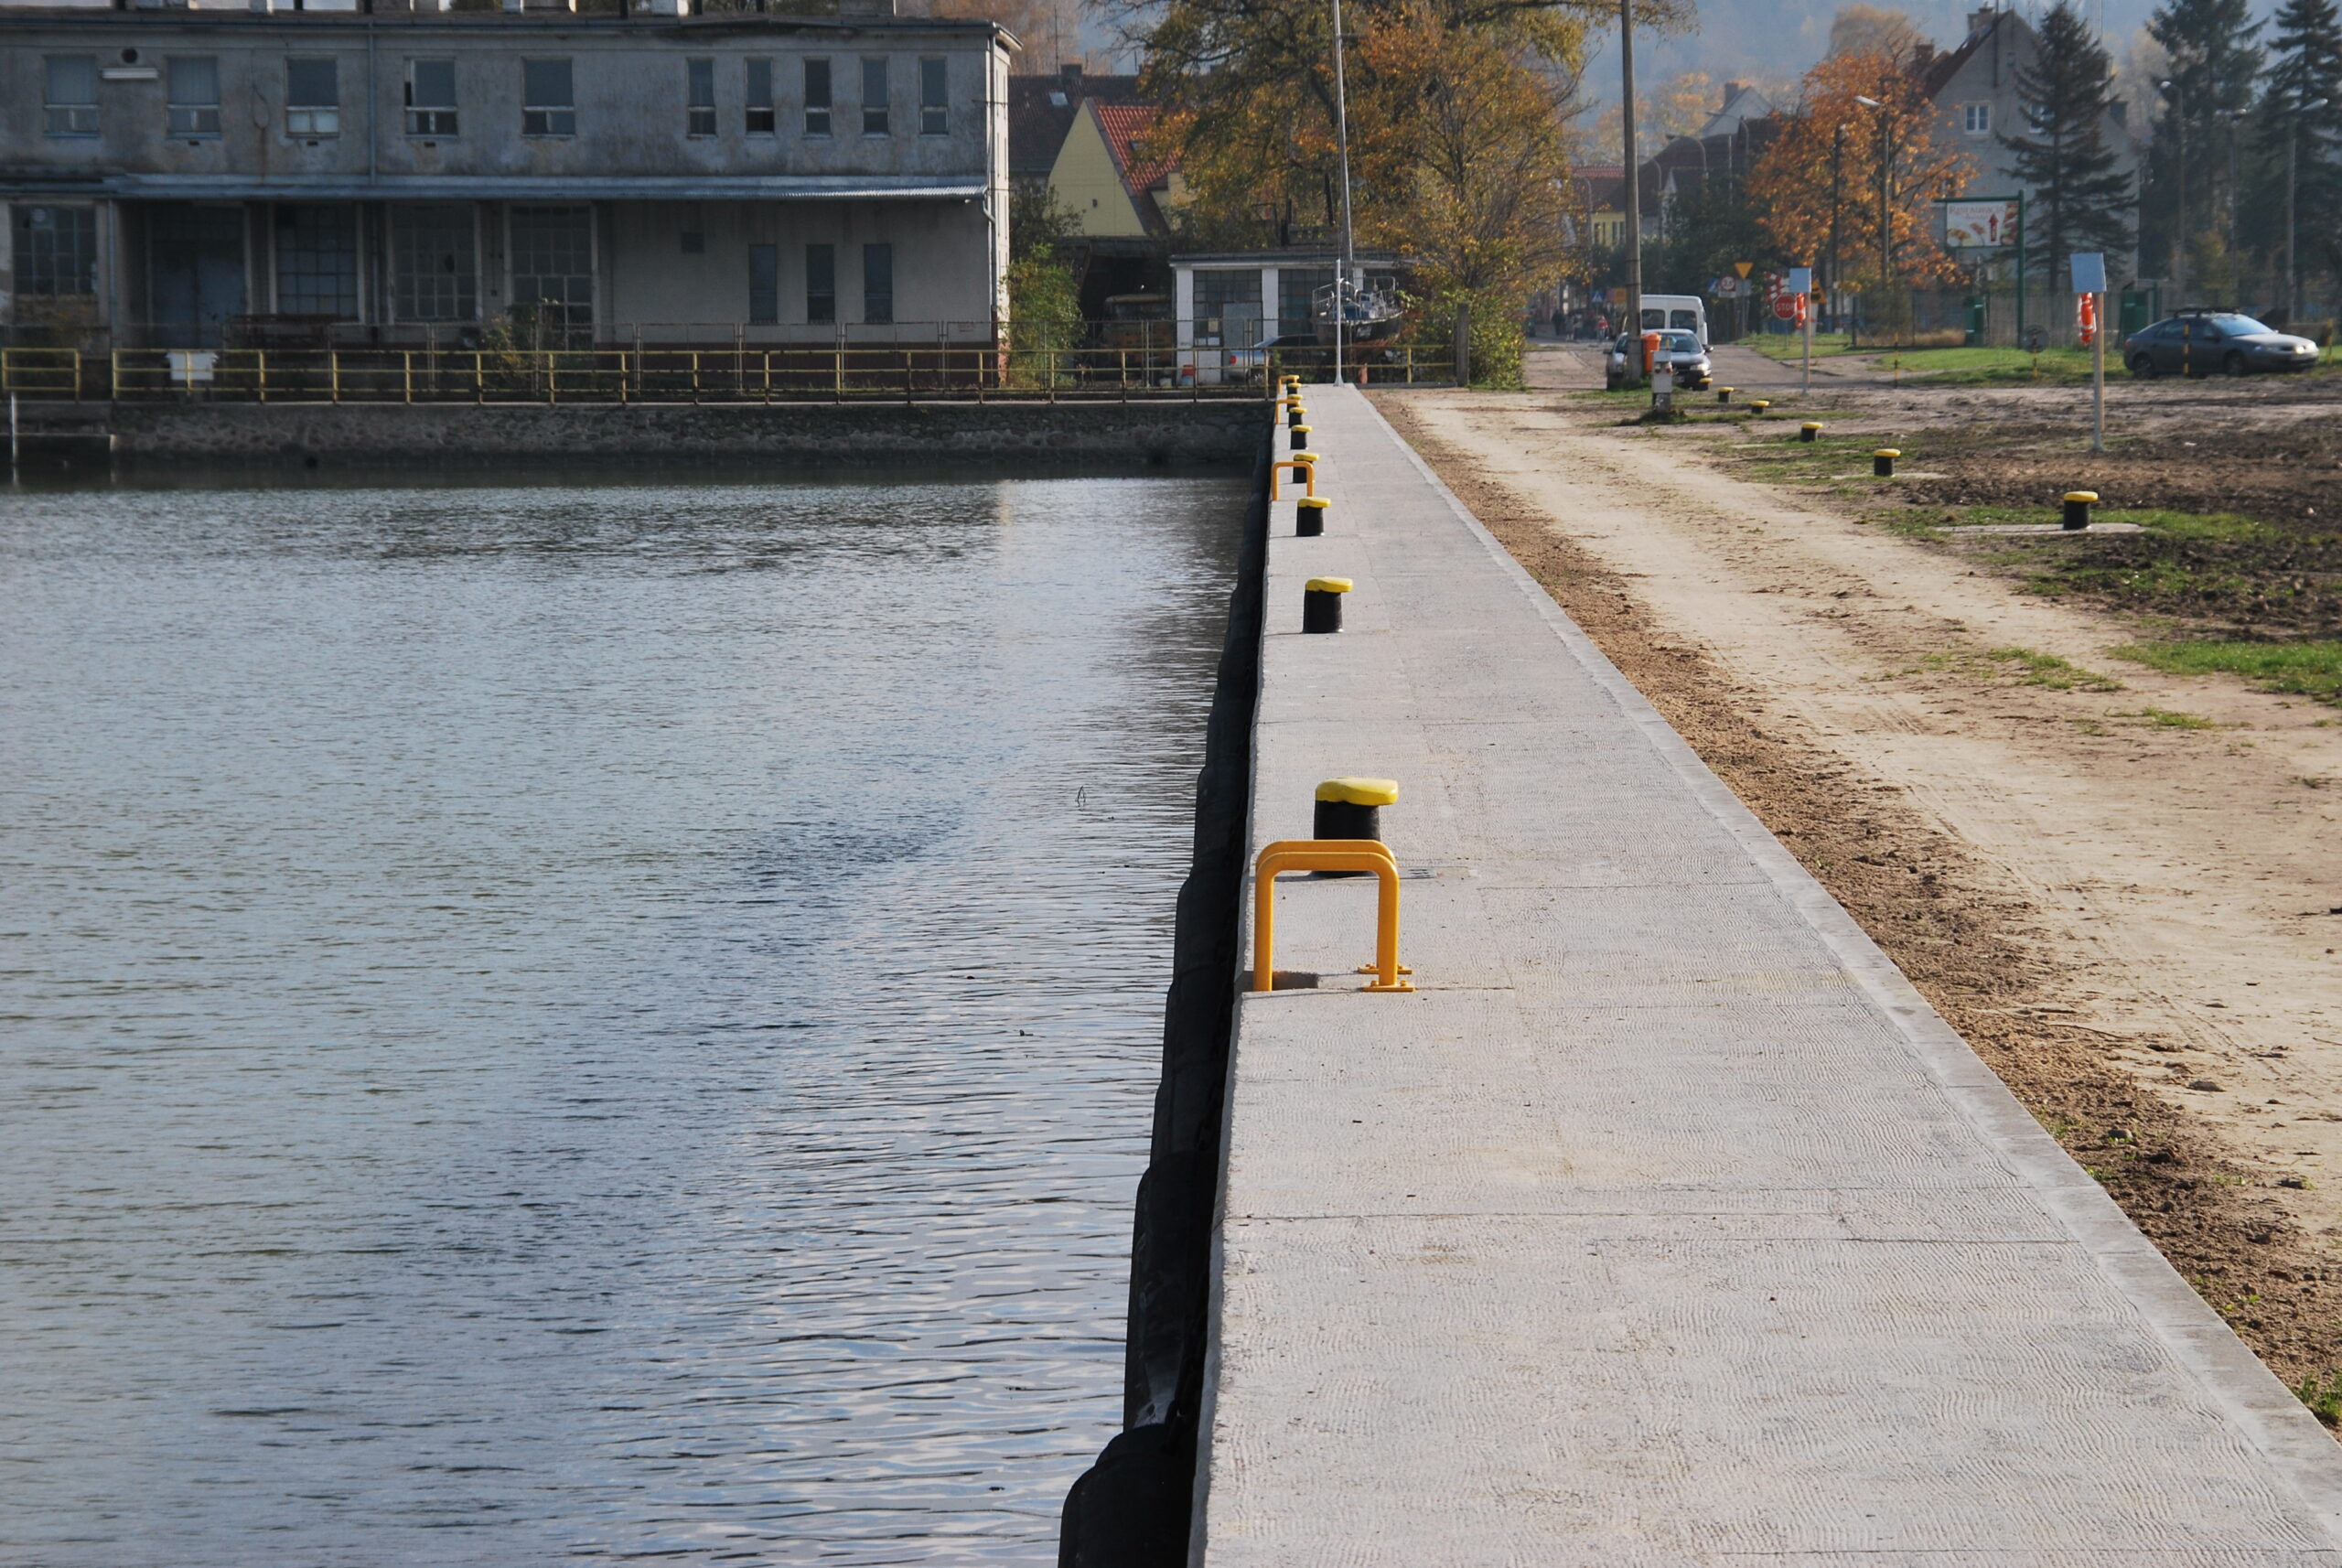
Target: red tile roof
1041, 110
1126, 126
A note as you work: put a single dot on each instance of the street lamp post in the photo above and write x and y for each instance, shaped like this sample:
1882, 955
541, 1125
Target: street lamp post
2292, 231
1633, 198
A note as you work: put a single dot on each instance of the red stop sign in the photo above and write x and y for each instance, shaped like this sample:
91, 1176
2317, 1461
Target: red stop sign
1785, 307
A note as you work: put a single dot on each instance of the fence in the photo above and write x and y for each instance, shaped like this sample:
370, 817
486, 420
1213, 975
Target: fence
933, 369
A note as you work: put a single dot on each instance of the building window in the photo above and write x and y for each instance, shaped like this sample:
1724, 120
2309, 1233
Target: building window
934, 99
553, 264
763, 284
879, 284
1298, 297
434, 263
431, 98
194, 105
698, 105
312, 98
874, 98
548, 106
821, 284
817, 98
1228, 307
1976, 119
72, 95
57, 251
760, 121
316, 260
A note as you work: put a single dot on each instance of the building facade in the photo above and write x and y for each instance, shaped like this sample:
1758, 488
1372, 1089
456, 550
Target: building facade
1977, 102
193, 178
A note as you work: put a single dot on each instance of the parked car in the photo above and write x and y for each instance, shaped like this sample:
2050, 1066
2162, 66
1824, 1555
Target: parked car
1293, 351
2198, 342
1681, 353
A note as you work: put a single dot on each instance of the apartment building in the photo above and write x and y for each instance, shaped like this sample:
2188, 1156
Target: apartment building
193, 178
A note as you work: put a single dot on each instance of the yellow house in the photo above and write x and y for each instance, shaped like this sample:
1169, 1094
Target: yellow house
1107, 178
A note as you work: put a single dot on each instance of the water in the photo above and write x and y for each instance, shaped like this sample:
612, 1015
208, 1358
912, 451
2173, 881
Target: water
560, 1023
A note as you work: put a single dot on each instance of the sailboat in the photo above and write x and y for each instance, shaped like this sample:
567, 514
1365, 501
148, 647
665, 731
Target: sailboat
1347, 310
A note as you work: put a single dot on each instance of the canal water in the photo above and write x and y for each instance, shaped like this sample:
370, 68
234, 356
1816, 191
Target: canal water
552, 1021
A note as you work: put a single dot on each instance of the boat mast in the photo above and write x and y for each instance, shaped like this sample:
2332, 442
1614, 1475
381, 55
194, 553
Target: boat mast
1342, 133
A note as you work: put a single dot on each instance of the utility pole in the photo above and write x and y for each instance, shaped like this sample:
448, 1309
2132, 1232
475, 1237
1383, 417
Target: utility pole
1342, 131
1633, 198
1886, 192
1837, 177
2293, 229
2179, 214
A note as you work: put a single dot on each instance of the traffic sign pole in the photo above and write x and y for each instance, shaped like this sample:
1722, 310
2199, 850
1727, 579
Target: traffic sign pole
2098, 381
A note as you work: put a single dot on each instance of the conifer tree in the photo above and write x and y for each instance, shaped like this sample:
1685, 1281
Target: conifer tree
2305, 65
2081, 199
2214, 66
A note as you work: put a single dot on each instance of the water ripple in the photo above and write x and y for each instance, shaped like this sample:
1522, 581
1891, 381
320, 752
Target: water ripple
565, 1022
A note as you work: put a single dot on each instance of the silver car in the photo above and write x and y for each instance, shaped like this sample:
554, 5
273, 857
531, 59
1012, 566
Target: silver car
1680, 352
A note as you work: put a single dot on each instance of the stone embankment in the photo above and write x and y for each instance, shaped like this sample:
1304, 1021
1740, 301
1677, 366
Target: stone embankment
1025, 434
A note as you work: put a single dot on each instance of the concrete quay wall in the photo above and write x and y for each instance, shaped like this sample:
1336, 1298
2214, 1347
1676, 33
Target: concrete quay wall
1663, 1223
1019, 433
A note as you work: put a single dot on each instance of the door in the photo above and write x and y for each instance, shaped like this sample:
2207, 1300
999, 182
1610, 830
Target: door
195, 271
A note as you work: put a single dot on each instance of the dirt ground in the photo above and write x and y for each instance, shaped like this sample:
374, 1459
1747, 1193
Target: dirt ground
2122, 886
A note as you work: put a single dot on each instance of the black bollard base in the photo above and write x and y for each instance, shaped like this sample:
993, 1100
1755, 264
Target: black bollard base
1300, 433
1346, 820
1321, 602
1882, 462
2078, 505
1309, 517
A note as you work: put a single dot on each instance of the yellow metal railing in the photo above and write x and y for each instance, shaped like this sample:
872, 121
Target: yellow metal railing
838, 372
41, 373
1329, 854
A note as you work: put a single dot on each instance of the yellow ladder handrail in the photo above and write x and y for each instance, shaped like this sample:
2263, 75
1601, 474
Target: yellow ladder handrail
1327, 854
1308, 469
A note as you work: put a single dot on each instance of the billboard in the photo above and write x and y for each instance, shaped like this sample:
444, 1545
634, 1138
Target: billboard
1979, 225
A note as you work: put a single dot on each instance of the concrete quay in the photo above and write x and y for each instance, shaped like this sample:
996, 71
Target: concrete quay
1664, 1222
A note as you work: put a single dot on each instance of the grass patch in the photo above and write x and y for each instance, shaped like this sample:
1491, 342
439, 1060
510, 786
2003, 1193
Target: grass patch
1994, 366
2170, 718
1791, 346
2048, 670
2323, 1395
2219, 525
2302, 669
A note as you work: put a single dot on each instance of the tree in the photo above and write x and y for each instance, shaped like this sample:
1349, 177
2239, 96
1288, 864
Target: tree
2191, 195
1458, 118
1860, 29
2080, 201
2305, 65
1050, 30
1887, 152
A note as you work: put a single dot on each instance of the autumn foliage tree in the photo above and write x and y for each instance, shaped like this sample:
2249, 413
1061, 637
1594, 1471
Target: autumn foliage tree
1835, 158
1459, 112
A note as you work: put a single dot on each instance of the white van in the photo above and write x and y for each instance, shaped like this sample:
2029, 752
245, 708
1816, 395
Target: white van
1683, 312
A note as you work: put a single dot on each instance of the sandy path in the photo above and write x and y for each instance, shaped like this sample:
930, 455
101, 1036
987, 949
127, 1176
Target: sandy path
2180, 879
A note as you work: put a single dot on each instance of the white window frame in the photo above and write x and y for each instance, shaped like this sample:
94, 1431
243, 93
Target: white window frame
1976, 119
309, 121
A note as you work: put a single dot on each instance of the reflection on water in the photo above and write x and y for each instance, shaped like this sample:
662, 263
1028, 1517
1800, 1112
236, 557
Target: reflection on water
556, 1022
